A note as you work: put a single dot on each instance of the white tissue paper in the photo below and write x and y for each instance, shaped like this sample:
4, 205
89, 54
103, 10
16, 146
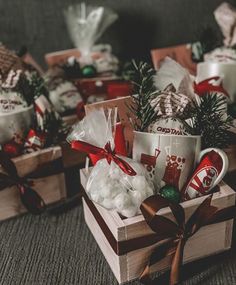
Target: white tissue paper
107, 184
173, 73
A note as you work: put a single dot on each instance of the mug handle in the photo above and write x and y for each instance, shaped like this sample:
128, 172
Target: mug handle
224, 159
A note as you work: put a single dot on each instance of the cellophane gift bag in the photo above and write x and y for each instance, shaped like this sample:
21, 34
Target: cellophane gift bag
115, 182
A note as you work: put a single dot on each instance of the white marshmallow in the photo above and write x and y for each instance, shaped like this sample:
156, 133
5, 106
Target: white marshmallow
137, 197
122, 201
149, 191
96, 197
107, 203
129, 212
115, 174
139, 182
105, 192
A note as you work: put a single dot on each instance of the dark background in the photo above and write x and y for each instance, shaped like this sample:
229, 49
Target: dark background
142, 25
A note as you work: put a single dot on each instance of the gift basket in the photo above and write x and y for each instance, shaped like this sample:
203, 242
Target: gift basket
160, 208
32, 172
93, 69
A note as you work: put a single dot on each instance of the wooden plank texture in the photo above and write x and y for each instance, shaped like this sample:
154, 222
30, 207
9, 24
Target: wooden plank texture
51, 188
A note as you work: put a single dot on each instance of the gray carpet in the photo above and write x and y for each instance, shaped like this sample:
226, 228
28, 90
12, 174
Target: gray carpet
59, 249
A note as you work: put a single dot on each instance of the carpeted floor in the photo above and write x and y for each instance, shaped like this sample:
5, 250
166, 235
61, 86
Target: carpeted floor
59, 249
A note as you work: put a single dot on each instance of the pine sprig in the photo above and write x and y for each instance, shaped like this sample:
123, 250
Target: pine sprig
37, 85
209, 119
144, 91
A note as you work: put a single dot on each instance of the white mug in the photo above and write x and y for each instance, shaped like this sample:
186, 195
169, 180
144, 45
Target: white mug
226, 71
15, 124
169, 159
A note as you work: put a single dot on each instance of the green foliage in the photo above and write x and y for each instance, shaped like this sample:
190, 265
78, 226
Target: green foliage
144, 91
209, 119
37, 85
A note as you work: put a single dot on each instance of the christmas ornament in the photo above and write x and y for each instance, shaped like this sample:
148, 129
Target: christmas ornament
12, 148
88, 71
171, 193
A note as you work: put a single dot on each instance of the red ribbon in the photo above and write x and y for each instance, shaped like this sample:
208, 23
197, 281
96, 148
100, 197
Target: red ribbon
105, 152
205, 86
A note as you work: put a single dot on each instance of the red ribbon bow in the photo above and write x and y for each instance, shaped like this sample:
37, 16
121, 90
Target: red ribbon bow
105, 152
206, 86
29, 197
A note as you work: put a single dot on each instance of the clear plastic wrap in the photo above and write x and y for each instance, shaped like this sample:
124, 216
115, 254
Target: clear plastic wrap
108, 185
225, 16
86, 24
173, 73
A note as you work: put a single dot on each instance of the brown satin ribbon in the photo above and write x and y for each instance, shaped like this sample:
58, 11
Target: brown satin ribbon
29, 197
173, 234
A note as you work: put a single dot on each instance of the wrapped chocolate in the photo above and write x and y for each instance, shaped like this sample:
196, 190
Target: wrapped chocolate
115, 182
34, 141
174, 100
173, 73
86, 24
210, 171
171, 108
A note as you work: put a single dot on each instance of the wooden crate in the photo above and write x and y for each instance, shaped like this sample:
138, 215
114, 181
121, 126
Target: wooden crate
51, 188
208, 240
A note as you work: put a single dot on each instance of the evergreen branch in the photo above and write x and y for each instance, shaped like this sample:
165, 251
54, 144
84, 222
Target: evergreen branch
144, 91
209, 119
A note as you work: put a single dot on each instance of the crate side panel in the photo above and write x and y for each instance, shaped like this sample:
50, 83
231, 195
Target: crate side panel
113, 259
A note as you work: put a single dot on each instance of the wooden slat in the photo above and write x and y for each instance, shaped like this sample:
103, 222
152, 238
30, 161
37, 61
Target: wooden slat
51, 188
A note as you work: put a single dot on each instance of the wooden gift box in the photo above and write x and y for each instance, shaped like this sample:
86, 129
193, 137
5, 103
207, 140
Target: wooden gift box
57, 57
207, 241
51, 188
